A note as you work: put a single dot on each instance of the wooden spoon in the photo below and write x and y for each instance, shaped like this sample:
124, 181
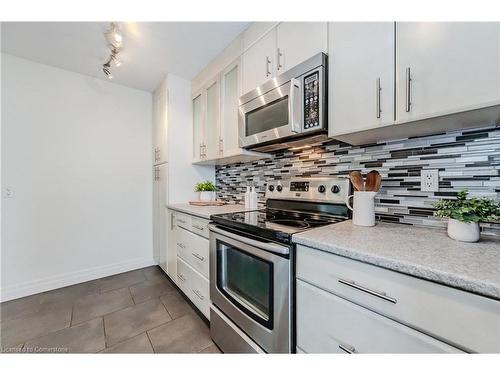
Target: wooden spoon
373, 181
357, 180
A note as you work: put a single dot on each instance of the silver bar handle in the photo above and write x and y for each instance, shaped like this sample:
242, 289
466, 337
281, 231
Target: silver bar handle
381, 295
221, 146
262, 245
198, 294
294, 86
201, 152
199, 227
180, 276
408, 89
279, 55
198, 256
378, 89
181, 221
347, 348
181, 245
268, 64
172, 221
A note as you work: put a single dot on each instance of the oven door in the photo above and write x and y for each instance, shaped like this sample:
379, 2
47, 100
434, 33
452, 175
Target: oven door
250, 283
273, 115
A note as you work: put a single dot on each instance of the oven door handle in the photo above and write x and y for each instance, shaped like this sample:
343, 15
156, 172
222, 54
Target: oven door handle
293, 104
269, 246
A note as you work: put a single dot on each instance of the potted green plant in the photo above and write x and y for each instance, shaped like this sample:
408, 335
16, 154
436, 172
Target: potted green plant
206, 190
465, 214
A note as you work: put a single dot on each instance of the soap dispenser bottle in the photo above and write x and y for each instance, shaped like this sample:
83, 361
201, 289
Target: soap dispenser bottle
253, 198
247, 198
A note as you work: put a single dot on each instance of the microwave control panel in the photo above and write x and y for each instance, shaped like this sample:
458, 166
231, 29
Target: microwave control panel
311, 101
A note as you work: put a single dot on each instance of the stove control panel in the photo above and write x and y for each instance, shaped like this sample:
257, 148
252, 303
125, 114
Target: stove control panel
318, 189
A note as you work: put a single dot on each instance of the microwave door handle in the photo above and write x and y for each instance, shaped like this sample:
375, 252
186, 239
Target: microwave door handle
293, 105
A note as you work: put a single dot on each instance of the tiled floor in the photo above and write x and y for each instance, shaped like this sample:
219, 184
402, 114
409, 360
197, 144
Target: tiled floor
134, 312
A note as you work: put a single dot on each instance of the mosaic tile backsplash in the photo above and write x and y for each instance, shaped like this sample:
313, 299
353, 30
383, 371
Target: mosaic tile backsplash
465, 159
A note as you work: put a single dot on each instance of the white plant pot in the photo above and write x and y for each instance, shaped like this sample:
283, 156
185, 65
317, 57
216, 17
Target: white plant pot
207, 195
465, 232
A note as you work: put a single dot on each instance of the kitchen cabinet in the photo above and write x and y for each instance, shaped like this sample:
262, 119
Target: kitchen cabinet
361, 76
160, 199
279, 50
231, 90
259, 62
170, 250
160, 102
212, 116
446, 67
297, 41
198, 127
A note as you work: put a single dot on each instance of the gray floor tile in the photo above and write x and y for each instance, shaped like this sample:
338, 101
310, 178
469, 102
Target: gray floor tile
187, 334
154, 273
70, 293
134, 320
212, 349
150, 289
87, 337
175, 304
53, 317
96, 305
138, 344
19, 307
121, 280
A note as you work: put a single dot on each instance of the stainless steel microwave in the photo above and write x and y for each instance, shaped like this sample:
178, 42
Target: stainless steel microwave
290, 107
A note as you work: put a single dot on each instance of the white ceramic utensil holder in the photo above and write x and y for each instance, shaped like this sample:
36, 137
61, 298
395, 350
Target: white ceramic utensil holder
363, 208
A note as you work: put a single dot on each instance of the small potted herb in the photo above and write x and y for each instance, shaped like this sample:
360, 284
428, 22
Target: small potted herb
465, 214
206, 190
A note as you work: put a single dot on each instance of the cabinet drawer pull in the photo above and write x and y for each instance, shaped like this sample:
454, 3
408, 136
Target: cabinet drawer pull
181, 277
347, 348
198, 294
181, 245
408, 90
198, 256
268, 63
181, 221
366, 290
378, 90
198, 227
278, 57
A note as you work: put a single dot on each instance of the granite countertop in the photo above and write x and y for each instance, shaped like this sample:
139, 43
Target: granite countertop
206, 211
426, 253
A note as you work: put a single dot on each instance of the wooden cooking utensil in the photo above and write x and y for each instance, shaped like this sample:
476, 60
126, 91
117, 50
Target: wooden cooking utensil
373, 181
357, 180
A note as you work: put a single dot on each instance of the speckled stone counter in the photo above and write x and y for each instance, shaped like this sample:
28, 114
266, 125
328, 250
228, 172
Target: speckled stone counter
206, 211
426, 253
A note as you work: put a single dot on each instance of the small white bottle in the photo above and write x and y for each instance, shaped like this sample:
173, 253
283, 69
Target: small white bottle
247, 199
253, 198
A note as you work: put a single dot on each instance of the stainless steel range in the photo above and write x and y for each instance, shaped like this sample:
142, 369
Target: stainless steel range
252, 263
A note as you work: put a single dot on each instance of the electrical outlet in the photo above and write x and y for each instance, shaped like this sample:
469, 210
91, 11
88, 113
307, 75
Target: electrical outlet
429, 180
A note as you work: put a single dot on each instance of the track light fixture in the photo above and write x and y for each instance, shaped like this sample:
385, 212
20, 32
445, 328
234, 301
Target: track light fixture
115, 39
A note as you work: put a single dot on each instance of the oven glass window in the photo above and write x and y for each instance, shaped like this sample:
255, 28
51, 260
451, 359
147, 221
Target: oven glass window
270, 116
247, 281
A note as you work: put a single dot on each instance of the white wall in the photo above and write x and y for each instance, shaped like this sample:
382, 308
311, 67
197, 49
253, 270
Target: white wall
76, 151
182, 174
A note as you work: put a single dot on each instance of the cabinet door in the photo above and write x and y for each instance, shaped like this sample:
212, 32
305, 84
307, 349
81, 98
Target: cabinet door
258, 62
156, 218
291, 52
198, 125
162, 191
160, 104
231, 84
446, 67
212, 112
171, 246
361, 76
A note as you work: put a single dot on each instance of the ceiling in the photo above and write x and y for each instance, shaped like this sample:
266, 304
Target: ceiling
150, 49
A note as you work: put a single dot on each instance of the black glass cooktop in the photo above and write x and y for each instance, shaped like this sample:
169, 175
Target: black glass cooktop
274, 224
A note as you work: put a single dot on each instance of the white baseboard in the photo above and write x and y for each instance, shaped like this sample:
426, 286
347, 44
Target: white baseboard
66, 279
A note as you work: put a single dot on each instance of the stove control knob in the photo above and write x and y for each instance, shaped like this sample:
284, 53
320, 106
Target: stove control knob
271, 187
279, 188
321, 188
335, 189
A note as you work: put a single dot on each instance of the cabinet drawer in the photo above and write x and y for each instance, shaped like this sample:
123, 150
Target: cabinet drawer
183, 220
463, 319
193, 249
330, 324
194, 286
199, 226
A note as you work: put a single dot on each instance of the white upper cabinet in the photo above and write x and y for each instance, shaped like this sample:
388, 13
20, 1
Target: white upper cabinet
230, 92
446, 67
298, 41
361, 76
160, 104
212, 112
198, 124
259, 62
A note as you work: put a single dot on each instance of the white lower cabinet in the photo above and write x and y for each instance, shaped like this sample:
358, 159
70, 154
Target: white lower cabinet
330, 324
193, 249
194, 285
